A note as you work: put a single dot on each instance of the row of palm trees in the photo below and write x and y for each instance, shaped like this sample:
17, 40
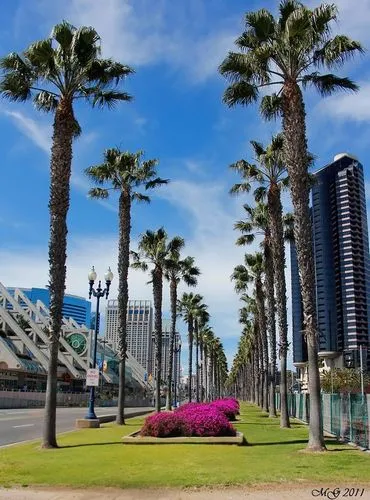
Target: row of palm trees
55, 73
288, 52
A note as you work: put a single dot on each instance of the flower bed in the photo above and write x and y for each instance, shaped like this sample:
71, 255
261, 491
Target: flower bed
193, 420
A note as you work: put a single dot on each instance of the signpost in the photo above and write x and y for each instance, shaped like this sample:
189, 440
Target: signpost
92, 377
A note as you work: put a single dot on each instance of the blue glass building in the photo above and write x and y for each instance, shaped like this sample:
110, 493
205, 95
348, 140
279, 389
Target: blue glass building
74, 306
342, 263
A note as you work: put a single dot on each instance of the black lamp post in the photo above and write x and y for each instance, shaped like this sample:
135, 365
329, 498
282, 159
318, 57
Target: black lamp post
98, 293
177, 351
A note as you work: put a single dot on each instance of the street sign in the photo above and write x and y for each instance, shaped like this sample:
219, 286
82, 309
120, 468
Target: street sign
92, 377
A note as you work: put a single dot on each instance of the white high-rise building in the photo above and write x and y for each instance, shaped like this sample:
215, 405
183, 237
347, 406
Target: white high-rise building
139, 328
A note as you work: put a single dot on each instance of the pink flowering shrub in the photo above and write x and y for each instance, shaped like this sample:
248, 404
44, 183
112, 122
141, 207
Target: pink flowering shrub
191, 419
165, 424
228, 406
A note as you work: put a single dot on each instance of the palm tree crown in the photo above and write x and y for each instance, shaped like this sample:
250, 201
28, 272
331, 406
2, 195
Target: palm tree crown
290, 48
67, 65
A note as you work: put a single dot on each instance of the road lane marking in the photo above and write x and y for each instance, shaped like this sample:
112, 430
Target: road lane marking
24, 425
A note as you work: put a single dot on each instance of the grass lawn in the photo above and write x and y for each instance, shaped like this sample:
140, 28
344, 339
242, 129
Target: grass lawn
96, 457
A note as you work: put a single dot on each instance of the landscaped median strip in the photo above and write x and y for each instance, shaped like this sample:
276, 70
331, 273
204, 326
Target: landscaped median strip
96, 458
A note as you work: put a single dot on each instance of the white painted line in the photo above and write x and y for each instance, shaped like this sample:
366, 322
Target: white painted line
24, 425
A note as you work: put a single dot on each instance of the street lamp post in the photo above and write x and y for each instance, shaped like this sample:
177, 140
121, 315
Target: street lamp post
177, 351
98, 293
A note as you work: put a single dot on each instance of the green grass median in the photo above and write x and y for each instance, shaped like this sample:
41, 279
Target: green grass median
97, 457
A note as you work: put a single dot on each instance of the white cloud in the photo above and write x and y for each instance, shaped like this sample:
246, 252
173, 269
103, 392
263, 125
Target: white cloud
142, 32
39, 133
354, 107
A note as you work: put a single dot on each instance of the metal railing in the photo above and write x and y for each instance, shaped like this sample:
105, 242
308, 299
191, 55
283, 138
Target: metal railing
346, 416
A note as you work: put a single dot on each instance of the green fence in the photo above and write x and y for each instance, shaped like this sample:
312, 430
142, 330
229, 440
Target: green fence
344, 415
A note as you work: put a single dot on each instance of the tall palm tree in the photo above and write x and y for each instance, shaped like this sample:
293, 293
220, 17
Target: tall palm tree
54, 73
258, 222
177, 269
201, 317
125, 173
187, 307
153, 249
289, 52
207, 336
242, 275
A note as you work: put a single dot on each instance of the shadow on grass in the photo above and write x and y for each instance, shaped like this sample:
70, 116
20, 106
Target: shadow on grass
89, 444
271, 443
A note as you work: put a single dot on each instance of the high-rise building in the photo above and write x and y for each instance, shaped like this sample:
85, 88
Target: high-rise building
166, 339
342, 266
75, 307
139, 328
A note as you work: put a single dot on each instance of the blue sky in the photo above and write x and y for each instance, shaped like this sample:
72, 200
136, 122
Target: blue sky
177, 116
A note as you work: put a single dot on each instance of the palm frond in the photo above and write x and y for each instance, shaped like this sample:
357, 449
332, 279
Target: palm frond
240, 93
140, 197
63, 34
156, 182
98, 193
109, 98
260, 193
337, 51
329, 83
271, 107
45, 101
243, 187
262, 22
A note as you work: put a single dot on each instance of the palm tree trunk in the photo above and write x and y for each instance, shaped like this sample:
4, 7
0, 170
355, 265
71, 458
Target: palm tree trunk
173, 299
123, 267
157, 298
257, 364
278, 250
295, 152
201, 369
271, 325
205, 354
60, 173
196, 330
264, 342
190, 341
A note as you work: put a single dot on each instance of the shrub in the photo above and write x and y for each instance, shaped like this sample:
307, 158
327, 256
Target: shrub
207, 421
192, 419
165, 424
229, 407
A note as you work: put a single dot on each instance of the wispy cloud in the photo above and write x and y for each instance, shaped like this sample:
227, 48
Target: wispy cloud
354, 107
184, 36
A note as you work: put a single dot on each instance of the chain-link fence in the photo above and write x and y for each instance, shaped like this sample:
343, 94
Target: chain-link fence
344, 415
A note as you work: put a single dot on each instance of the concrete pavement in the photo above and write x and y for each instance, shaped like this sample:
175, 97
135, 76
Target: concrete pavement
25, 424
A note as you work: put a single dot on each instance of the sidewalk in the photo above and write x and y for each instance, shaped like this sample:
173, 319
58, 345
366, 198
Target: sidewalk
261, 492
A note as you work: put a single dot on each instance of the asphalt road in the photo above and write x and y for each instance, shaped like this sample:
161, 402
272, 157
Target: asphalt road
24, 424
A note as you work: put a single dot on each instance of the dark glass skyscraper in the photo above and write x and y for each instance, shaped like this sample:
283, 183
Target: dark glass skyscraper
342, 264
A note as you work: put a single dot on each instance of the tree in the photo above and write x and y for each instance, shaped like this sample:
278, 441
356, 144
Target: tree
154, 249
270, 172
288, 52
187, 307
258, 222
176, 270
201, 317
124, 173
252, 272
55, 72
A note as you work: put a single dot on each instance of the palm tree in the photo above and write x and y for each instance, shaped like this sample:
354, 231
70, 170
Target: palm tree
242, 275
201, 317
124, 173
54, 73
187, 307
206, 337
288, 52
154, 249
259, 222
176, 270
